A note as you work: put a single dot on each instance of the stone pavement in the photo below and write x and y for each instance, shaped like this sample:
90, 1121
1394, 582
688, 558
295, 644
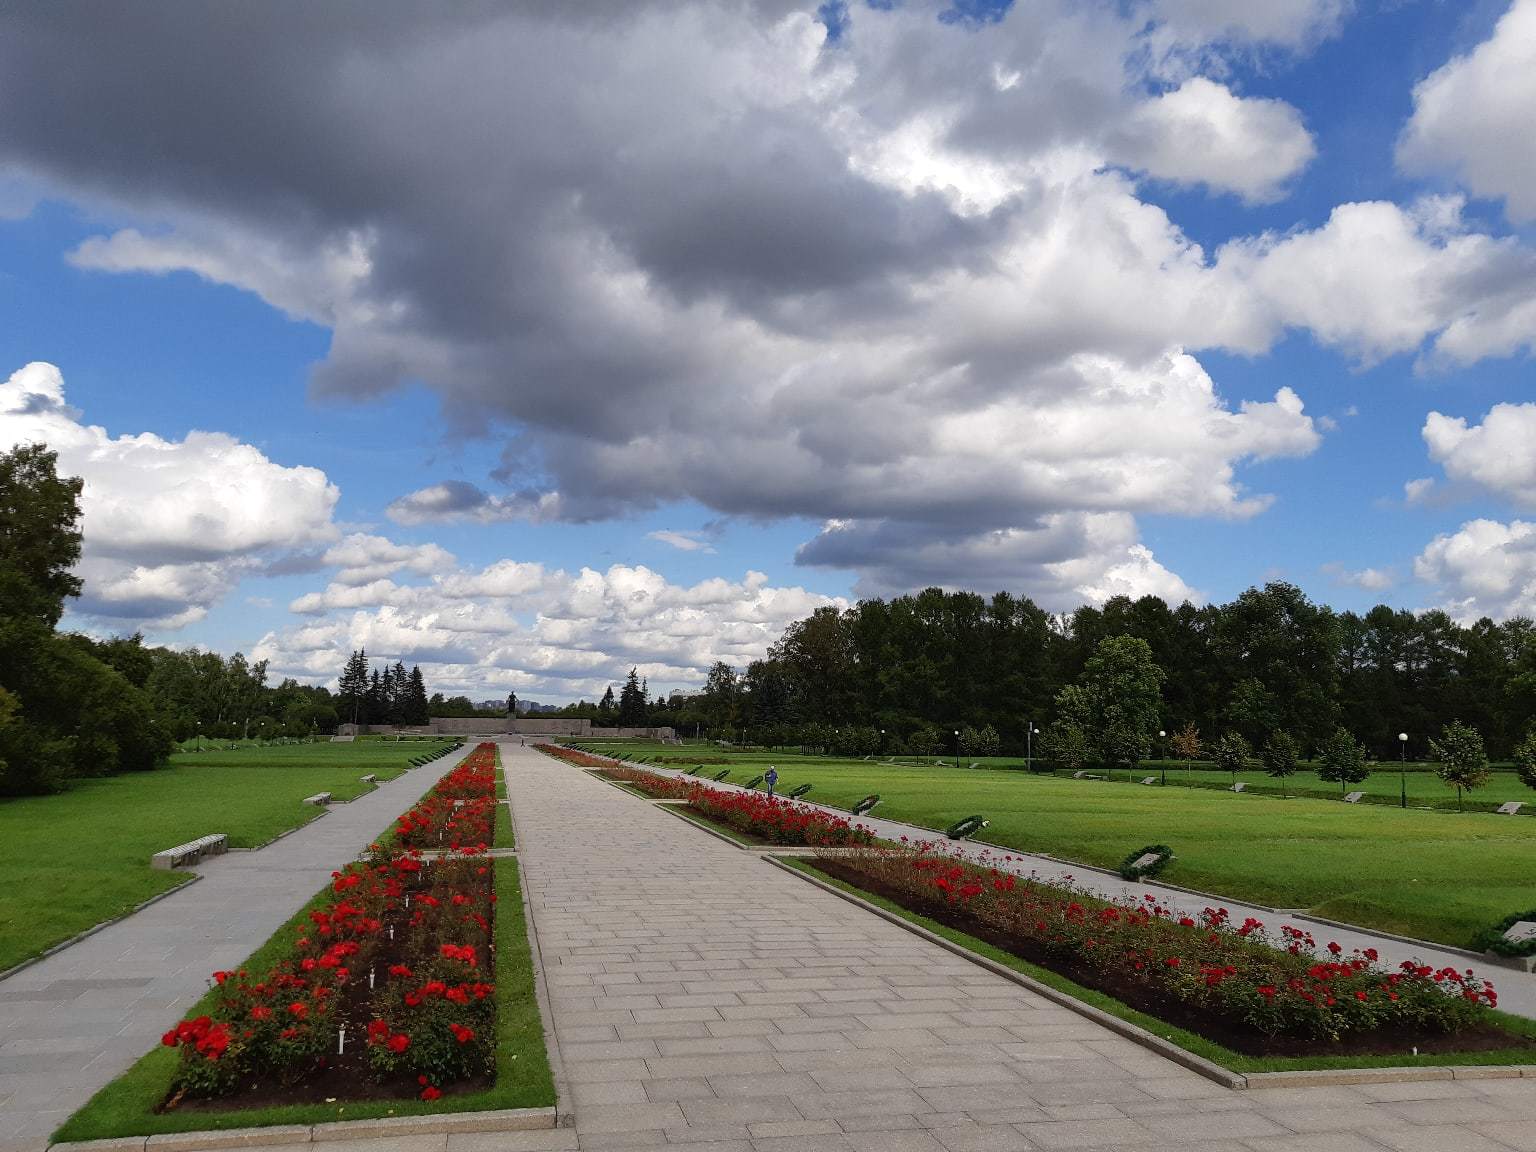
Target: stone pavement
1517, 990
73, 1022
703, 997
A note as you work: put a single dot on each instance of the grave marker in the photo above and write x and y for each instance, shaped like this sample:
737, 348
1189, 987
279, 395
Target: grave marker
1353, 797
1521, 931
1240, 787
1511, 808
1145, 860
1149, 780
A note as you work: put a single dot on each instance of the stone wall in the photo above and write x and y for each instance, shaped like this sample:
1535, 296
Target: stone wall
494, 726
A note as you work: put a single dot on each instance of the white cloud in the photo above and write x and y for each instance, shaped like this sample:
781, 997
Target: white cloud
1418, 491
1499, 454
683, 541
519, 625
1202, 133
170, 525
1370, 579
1473, 117
363, 558
1284, 23
1485, 568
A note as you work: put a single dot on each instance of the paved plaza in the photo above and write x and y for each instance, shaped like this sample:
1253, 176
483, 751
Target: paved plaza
70, 1024
703, 997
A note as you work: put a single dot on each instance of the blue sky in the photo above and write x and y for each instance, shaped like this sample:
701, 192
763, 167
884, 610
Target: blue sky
798, 362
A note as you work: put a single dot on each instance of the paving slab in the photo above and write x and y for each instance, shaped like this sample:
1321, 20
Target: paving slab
863, 1036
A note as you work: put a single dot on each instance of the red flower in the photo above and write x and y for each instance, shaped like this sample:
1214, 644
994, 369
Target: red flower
398, 1043
462, 1034
430, 1093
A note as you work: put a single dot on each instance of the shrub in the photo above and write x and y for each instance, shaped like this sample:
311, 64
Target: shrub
1131, 870
1342, 760
1462, 761
1492, 939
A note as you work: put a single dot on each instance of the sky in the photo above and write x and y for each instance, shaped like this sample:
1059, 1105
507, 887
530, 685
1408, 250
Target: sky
532, 342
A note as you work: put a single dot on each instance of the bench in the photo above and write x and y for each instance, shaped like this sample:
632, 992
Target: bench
371, 778
191, 852
320, 798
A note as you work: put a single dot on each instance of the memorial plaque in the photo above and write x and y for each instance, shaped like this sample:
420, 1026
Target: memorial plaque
1353, 797
1511, 808
1150, 780
1239, 787
1521, 931
1145, 860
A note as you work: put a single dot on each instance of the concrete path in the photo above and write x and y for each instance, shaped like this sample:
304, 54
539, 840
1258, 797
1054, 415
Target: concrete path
73, 1022
1517, 990
703, 997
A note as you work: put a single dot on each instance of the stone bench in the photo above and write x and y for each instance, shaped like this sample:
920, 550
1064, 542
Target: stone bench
191, 852
320, 798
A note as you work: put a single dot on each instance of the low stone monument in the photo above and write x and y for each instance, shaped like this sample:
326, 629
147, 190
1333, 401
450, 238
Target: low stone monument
1239, 787
1511, 808
1353, 797
1149, 780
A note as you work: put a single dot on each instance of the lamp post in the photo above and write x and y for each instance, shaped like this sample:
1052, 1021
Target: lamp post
1162, 754
957, 747
1029, 744
1402, 767
199, 735
882, 742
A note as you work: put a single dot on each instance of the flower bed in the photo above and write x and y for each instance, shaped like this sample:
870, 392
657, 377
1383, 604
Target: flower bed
574, 756
754, 814
1252, 989
386, 990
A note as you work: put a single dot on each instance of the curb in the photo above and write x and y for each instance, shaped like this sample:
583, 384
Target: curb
505, 1120
1236, 1081
79, 936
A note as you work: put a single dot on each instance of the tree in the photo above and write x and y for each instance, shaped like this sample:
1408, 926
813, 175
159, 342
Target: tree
352, 687
1066, 744
417, 710
1186, 744
1463, 762
1279, 756
1525, 759
632, 702
1231, 754
39, 535
1117, 700
1342, 759
721, 697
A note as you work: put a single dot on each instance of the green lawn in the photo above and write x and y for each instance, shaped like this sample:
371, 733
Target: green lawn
1437, 875
75, 859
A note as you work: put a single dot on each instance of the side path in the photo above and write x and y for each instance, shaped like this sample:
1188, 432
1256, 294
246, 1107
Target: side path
703, 997
1517, 990
72, 1023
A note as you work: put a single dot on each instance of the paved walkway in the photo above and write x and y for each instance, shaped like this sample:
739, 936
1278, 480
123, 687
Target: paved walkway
1517, 990
701, 996
72, 1023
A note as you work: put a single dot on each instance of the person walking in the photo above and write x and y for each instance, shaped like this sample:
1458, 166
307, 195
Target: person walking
770, 778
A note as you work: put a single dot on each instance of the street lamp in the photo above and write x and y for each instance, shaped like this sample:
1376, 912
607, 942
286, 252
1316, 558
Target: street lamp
1402, 766
882, 742
199, 735
957, 747
1029, 744
1162, 754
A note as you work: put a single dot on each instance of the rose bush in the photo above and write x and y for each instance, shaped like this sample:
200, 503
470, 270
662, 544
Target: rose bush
1246, 976
399, 956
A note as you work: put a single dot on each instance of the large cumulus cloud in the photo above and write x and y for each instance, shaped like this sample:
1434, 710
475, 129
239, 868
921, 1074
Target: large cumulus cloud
900, 280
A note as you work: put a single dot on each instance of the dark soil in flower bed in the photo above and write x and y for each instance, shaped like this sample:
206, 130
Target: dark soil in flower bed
347, 1076
1480, 1038
728, 829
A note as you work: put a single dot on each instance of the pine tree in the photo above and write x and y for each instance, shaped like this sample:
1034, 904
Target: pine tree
632, 702
417, 709
352, 688
605, 707
374, 701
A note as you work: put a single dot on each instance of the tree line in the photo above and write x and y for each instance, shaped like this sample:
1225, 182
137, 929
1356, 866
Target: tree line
908, 672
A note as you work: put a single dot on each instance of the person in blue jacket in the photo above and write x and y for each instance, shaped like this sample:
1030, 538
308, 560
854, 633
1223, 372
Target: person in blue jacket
771, 778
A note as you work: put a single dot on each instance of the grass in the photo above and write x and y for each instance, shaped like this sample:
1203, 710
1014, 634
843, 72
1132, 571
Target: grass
1189, 1041
75, 859
125, 1107
1433, 875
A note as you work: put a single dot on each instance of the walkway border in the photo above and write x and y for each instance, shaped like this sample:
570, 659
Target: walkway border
1237, 1081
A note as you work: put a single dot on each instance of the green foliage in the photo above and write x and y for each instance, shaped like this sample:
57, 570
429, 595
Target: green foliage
1493, 940
1066, 744
1525, 759
39, 535
1341, 760
1279, 756
1463, 761
1117, 700
1231, 753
